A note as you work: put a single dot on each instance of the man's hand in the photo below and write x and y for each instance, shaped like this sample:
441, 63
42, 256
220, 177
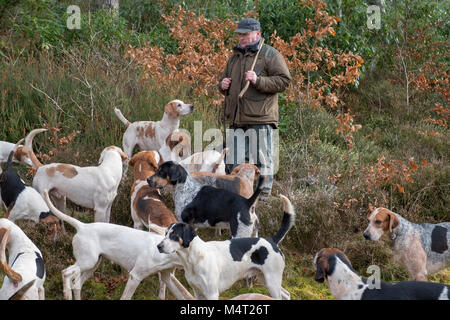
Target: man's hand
225, 85
250, 76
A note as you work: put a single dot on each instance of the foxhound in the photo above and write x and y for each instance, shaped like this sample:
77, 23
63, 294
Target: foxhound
20, 153
422, 248
214, 266
25, 264
22, 201
134, 250
206, 206
89, 187
345, 283
152, 135
147, 205
239, 181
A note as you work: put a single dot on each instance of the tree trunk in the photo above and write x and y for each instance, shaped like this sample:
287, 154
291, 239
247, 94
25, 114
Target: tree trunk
112, 5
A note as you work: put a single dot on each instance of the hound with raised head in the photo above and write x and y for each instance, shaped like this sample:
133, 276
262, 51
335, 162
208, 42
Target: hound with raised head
134, 250
214, 266
24, 265
152, 135
90, 187
206, 206
147, 205
345, 283
422, 248
22, 201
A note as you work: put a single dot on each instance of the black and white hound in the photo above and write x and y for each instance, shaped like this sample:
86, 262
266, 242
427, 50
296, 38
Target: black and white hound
346, 284
207, 206
212, 267
22, 201
25, 270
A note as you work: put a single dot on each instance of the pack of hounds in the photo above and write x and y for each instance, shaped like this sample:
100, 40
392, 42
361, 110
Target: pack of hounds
163, 240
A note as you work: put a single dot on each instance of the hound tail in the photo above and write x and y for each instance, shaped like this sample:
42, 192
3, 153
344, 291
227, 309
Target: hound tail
121, 117
255, 195
64, 217
29, 147
288, 220
11, 154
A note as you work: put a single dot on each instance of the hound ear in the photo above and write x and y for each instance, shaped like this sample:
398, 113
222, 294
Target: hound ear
133, 159
171, 110
393, 221
177, 174
320, 271
188, 235
123, 155
100, 160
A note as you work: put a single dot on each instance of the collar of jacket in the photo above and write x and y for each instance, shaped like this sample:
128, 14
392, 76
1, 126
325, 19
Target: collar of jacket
253, 47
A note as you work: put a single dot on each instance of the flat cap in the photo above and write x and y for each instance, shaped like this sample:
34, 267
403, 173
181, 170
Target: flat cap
247, 25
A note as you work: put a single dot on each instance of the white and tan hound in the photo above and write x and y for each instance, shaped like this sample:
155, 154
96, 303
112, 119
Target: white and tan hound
147, 205
25, 264
422, 248
345, 283
132, 249
152, 135
214, 266
92, 187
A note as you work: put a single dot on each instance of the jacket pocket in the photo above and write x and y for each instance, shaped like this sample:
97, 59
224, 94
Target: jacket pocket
255, 107
254, 95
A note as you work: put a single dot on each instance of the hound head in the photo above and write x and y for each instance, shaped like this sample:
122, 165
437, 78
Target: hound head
247, 170
325, 262
5, 238
107, 150
381, 220
21, 155
177, 108
178, 236
53, 224
145, 163
168, 173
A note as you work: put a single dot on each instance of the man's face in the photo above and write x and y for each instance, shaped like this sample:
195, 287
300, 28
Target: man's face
248, 38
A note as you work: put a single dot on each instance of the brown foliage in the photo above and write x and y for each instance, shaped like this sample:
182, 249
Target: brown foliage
203, 49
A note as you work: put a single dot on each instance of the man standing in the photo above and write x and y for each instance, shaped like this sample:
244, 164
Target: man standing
254, 116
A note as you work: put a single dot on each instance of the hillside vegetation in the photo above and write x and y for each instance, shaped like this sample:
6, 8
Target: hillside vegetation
365, 120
